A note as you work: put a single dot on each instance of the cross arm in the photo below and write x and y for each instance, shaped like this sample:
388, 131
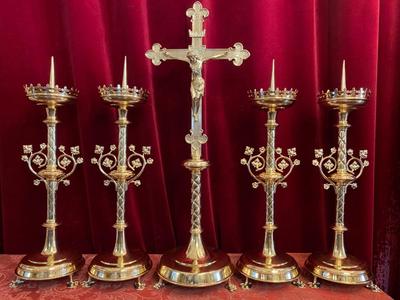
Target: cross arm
236, 54
157, 54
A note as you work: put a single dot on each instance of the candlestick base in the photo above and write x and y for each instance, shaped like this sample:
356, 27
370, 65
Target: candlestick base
277, 269
350, 270
215, 268
107, 267
43, 267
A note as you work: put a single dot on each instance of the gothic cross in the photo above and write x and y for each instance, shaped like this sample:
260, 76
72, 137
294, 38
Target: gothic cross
195, 55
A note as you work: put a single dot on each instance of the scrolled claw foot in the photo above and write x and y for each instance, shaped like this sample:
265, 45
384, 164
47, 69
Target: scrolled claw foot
159, 284
230, 286
88, 283
139, 284
299, 283
315, 284
71, 284
17, 282
373, 287
247, 284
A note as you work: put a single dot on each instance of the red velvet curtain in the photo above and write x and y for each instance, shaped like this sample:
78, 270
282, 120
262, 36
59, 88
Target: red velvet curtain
307, 38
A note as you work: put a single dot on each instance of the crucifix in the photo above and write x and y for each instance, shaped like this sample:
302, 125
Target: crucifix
175, 268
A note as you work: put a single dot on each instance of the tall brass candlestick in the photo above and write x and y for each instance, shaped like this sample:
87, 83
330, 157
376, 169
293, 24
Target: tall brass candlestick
121, 170
196, 266
270, 171
51, 170
341, 173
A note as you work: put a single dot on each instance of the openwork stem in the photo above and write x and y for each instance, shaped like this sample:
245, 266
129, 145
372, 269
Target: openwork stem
269, 171
269, 245
50, 244
121, 170
340, 190
120, 225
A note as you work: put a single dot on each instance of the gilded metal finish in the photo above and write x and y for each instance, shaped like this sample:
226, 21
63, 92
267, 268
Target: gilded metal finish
121, 169
340, 172
51, 170
196, 55
269, 171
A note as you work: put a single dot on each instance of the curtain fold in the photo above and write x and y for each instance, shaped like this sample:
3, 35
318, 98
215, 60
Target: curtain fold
308, 40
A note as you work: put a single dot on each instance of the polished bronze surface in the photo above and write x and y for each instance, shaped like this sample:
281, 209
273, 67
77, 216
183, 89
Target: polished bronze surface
214, 268
349, 270
196, 55
340, 169
51, 170
269, 168
273, 269
108, 267
43, 267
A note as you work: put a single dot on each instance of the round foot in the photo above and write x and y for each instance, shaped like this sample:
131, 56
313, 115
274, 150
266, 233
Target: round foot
215, 268
277, 269
107, 267
344, 271
40, 267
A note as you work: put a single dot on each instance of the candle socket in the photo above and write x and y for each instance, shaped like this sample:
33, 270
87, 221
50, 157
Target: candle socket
51, 170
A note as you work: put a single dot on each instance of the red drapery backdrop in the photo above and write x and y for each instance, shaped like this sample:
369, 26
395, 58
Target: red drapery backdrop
308, 39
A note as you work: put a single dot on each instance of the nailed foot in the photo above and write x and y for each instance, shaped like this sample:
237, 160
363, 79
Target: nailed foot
315, 284
230, 286
246, 284
373, 287
17, 282
299, 283
88, 283
139, 284
159, 284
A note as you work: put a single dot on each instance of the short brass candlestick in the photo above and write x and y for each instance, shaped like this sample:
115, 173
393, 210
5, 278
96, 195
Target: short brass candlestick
270, 171
51, 170
196, 266
121, 170
341, 173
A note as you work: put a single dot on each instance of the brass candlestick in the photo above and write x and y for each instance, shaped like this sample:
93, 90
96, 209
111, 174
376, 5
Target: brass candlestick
51, 170
196, 266
341, 173
270, 171
121, 170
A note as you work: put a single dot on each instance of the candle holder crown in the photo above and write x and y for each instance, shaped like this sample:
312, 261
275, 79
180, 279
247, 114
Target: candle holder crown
46, 94
344, 98
273, 97
123, 95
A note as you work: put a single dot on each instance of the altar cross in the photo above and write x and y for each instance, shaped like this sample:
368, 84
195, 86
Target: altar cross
196, 54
